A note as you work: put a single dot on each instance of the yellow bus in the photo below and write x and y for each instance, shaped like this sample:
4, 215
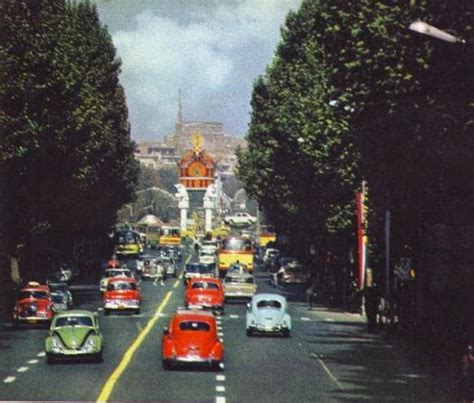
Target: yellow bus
232, 250
127, 243
170, 236
267, 234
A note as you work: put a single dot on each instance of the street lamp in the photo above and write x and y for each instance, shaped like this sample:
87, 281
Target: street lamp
426, 29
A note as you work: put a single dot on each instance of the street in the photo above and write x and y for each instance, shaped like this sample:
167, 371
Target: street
329, 357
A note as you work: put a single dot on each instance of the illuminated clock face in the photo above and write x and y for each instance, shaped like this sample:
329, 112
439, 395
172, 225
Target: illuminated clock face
196, 169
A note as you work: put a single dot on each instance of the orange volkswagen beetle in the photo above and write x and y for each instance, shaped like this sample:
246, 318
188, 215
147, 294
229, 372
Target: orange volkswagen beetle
206, 293
33, 305
191, 339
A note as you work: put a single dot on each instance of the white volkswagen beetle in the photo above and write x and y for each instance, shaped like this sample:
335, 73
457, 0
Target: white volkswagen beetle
267, 314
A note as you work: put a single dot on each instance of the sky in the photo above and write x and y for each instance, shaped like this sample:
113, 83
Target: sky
213, 50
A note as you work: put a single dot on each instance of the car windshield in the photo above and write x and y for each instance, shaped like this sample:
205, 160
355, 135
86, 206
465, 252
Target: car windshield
206, 285
73, 321
194, 326
58, 298
116, 273
33, 294
268, 303
116, 286
237, 244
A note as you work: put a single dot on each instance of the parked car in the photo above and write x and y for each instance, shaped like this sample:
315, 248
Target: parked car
192, 339
59, 302
239, 285
241, 218
33, 305
292, 274
62, 288
74, 334
206, 293
122, 294
267, 314
197, 270
169, 267
111, 273
270, 258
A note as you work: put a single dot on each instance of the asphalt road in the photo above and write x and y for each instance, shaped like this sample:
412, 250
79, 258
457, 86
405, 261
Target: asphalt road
330, 357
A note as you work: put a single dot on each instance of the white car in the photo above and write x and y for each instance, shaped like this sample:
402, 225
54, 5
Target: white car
207, 257
240, 219
268, 314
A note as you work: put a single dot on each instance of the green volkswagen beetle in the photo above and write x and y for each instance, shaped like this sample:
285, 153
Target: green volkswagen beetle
74, 334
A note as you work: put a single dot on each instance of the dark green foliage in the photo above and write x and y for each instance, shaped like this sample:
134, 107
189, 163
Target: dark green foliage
67, 140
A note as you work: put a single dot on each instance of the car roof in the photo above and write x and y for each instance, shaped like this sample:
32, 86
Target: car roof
75, 312
204, 279
193, 314
268, 296
119, 279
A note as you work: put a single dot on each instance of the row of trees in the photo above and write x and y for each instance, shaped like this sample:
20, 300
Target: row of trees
352, 94
66, 153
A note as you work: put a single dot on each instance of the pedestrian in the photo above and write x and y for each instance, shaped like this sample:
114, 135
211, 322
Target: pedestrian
467, 375
310, 294
159, 273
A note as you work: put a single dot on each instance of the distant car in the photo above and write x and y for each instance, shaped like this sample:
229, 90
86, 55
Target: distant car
59, 302
292, 273
64, 289
239, 285
267, 314
74, 334
174, 252
33, 305
207, 257
122, 294
270, 257
169, 267
192, 339
206, 293
111, 273
147, 266
238, 268
240, 219
209, 245
197, 270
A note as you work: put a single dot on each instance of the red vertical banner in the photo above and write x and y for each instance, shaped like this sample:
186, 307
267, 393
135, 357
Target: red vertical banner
361, 239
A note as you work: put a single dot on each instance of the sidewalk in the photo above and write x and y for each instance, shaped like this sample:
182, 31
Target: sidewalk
372, 366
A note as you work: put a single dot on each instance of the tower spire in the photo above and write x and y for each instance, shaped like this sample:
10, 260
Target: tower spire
180, 107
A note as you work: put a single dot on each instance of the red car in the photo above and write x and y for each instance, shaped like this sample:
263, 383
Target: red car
206, 293
33, 305
191, 339
122, 293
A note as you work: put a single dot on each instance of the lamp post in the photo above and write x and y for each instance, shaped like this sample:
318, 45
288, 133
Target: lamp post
427, 29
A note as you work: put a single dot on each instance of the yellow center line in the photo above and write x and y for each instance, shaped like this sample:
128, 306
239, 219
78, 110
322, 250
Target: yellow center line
328, 371
110, 384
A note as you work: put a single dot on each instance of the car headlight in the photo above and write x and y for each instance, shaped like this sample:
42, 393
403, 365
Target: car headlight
90, 344
56, 344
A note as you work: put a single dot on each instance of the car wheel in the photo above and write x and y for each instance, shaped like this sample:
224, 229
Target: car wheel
50, 359
106, 312
137, 311
99, 359
216, 366
249, 332
17, 324
286, 333
175, 275
166, 365
231, 222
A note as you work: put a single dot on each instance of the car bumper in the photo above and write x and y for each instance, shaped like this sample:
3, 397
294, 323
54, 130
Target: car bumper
206, 305
192, 360
121, 306
269, 329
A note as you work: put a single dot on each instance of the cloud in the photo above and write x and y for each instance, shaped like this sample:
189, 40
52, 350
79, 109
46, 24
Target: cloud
212, 51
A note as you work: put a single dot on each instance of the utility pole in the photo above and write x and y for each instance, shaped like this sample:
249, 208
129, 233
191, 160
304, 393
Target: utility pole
387, 255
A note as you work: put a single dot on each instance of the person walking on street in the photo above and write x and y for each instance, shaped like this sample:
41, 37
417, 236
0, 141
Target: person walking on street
310, 293
159, 273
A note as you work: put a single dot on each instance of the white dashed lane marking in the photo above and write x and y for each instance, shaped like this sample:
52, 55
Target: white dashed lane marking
9, 379
22, 369
220, 388
329, 320
305, 319
234, 316
42, 354
33, 361
220, 399
220, 378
